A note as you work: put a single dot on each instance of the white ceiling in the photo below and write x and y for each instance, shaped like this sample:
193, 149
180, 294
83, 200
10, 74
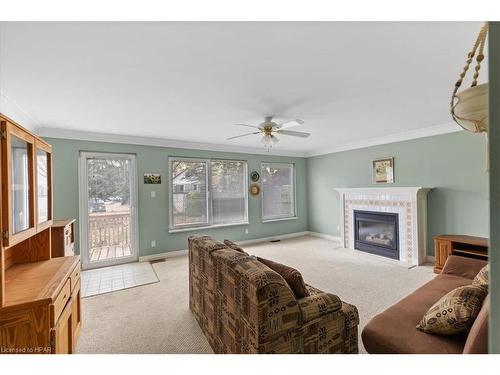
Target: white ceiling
352, 82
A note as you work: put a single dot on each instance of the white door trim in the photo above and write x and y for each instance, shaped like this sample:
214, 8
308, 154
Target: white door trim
84, 209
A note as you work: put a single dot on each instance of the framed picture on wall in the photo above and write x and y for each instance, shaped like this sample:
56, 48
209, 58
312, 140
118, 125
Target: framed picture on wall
383, 171
152, 178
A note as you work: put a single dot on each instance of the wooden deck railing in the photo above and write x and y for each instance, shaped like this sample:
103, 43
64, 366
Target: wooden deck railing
108, 229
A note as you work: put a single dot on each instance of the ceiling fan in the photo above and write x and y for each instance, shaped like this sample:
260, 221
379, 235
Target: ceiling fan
269, 129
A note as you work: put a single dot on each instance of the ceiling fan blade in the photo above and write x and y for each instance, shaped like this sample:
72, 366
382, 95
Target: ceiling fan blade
248, 126
293, 133
291, 123
242, 135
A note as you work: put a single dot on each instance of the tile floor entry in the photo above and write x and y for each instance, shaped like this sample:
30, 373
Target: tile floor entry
111, 279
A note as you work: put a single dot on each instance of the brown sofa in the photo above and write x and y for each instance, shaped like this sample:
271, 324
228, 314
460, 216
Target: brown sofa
242, 306
393, 331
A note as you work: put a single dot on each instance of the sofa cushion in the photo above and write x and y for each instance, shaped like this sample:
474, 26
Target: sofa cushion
393, 331
477, 340
291, 275
462, 266
455, 312
482, 278
233, 246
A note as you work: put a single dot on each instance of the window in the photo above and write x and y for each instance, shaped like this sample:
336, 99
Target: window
278, 191
207, 192
228, 191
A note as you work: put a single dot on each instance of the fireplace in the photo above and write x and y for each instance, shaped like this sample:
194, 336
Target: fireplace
377, 233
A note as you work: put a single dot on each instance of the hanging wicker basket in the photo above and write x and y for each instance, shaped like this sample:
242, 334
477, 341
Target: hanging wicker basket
469, 108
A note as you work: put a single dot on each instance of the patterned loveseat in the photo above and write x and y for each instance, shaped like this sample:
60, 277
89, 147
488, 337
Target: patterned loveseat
243, 306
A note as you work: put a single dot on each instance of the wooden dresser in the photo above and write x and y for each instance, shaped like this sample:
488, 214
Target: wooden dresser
42, 311
40, 301
462, 245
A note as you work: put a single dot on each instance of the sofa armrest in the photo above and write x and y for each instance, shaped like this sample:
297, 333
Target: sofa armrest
317, 305
463, 266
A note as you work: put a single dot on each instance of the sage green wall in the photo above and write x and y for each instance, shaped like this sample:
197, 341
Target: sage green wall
494, 82
453, 164
153, 212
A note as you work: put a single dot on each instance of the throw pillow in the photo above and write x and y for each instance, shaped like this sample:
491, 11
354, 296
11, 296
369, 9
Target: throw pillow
455, 312
233, 246
481, 280
292, 277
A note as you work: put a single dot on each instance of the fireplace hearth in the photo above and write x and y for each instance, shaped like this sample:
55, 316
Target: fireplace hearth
377, 233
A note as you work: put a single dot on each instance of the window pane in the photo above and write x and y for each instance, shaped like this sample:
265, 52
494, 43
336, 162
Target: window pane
228, 192
277, 191
43, 186
189, 192
20, 185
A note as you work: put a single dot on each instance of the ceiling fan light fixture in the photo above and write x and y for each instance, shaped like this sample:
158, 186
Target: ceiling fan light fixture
268, 141
269, 129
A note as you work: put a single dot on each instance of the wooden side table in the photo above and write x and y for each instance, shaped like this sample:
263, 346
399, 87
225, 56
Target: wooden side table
461, 245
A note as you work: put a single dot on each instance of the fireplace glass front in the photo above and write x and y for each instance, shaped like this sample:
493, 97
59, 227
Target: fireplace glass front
377, 233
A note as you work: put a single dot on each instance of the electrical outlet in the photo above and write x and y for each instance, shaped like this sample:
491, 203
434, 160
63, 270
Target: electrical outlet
153, 243
153, 194
246, 230
338, 227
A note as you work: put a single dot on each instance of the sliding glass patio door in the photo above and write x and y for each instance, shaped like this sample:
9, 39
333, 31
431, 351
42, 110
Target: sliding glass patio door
108, 189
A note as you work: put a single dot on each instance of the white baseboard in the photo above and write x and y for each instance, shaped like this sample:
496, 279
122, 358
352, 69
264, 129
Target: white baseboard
177, 253
273, 238
430, 259
165, 255
325, 236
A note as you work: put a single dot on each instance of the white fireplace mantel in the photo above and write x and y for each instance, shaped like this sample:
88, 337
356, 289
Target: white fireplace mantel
410, 203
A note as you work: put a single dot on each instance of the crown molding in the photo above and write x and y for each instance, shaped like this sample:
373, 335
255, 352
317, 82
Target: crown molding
158, 142
171, 143
391, 138
15, 112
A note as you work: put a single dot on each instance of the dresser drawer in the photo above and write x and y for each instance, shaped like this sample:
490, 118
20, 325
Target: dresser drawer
61, 300
75, 276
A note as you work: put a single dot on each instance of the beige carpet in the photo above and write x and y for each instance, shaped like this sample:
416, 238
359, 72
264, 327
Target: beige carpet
155, 318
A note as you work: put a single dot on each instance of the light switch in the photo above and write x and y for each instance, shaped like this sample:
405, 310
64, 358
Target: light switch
153, 243
153, 194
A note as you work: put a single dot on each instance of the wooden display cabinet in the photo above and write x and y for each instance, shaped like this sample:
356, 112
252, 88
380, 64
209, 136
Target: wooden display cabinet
18, 195
40, 299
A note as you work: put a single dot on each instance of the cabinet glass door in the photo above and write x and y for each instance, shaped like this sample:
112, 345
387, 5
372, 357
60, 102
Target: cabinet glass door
42, 166
20, 178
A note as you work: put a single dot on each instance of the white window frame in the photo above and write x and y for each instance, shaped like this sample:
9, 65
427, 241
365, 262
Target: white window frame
209, 224
293, 216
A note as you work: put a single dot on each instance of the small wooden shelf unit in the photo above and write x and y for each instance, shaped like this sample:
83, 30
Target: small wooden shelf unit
63, 238
461, 245
40, 300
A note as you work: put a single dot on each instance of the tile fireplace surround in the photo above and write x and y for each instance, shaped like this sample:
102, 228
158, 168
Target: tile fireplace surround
410, 203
